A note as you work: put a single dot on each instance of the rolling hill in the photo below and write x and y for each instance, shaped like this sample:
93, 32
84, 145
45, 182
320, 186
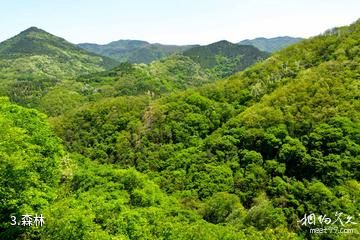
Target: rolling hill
158, 78
271, 44
224, 58
34, 60
176, 72
172, 73
134, 51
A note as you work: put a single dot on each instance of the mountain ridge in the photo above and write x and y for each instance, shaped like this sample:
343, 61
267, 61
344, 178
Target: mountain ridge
134, 51
271, 44
36, 43
224, 58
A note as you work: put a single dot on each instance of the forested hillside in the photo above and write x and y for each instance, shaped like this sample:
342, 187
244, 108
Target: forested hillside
42, 71
176, 72
154, 80
280, 137
163, 151
34, 61
40, 53
224, 58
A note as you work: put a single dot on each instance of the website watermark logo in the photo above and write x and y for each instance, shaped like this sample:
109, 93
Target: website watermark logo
323, 224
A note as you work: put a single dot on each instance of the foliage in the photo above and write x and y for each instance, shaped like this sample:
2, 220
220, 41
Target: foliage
282, 137
29, 161
223, 58
242, 158
176, 72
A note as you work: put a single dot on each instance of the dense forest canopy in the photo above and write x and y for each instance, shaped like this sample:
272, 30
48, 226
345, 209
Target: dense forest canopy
167, 150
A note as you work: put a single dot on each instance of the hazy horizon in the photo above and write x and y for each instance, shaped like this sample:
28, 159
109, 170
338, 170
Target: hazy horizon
175, 23
148, 41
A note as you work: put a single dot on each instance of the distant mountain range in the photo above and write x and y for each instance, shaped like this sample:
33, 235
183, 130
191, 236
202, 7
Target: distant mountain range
137, 51
34, 61
134, 51
37, 52
221, 59
193, 67
271, 44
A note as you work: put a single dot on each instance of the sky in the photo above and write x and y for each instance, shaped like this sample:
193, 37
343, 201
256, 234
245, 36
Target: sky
175, 22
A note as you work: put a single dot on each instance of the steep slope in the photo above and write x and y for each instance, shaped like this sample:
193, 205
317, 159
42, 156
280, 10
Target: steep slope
81, 199
224, 58
271, 44
134, 51
37, 52
283, 136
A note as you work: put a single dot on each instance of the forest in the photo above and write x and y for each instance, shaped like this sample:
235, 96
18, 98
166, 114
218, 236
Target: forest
222, 141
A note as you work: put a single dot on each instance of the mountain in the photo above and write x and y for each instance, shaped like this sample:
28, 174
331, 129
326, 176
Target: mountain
176, 72
271, 44
250, 155
224, 58
158, 78
271, 152
37, 52
220, 59
134, 51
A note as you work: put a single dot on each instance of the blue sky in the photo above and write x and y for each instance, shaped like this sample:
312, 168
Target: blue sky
175, 22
